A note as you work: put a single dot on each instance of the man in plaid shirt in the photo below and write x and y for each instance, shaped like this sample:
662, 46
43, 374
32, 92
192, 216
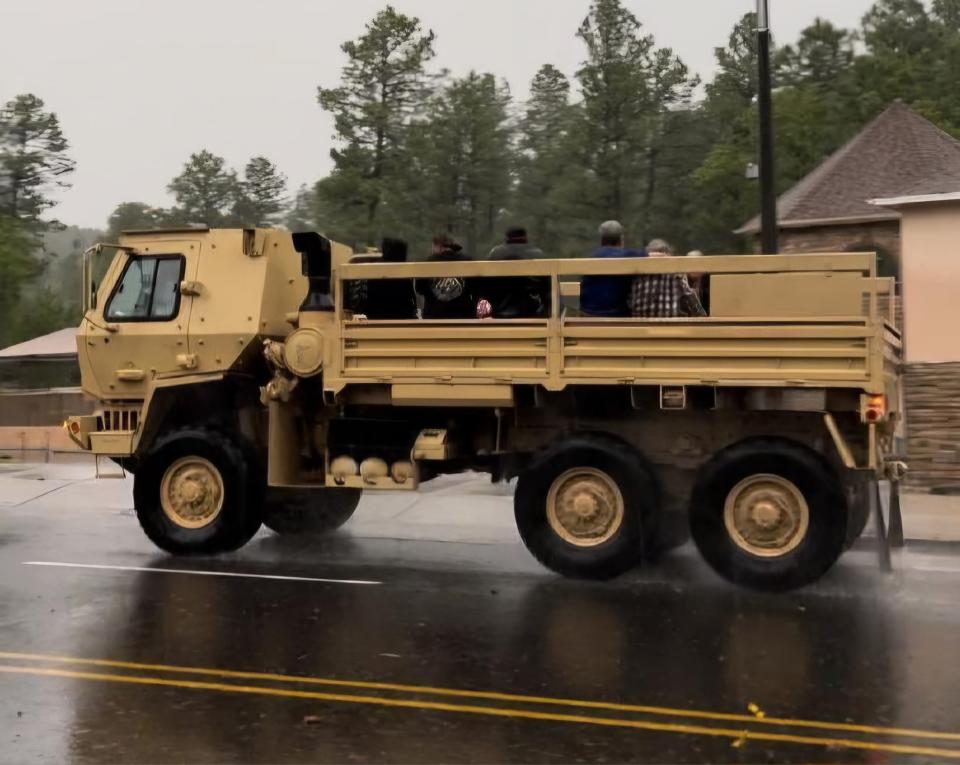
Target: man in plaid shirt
662, 296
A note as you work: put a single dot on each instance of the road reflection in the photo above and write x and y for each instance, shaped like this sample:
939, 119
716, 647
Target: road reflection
639, 641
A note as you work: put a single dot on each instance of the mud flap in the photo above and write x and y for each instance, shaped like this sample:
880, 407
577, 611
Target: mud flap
895, 529
888, 521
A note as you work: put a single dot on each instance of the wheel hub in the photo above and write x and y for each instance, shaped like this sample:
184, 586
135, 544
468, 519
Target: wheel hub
191, 492
585, 507
766, 515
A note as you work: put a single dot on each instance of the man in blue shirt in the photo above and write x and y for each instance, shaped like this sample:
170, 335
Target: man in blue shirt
606, 296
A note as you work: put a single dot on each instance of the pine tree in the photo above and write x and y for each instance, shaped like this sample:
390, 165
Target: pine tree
302, 213
17, 264
33, 160
132, 216
823, 54
382, 87
628, 86
947, 12
205, 191
469, 161
261, 197
897, 27
548, 171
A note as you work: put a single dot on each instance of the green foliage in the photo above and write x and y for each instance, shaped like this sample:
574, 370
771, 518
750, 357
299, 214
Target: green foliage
383, 85
300, 216
736, 79
33, 163
897, 27
206, 191
821, 57
947, 12
40, 290
39, 312
132, 216
548, 178
33, 160
628, 87
467, 160
260, 199
17, 264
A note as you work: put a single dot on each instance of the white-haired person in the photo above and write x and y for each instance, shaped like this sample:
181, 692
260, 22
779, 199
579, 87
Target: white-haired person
663, 296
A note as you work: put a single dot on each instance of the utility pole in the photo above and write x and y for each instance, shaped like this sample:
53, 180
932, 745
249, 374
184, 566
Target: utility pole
769, 238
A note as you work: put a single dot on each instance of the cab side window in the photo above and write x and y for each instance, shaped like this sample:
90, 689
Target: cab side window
148, 290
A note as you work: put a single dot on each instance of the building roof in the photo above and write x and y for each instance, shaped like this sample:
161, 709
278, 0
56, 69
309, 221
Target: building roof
897, 154
918, 199
59, 344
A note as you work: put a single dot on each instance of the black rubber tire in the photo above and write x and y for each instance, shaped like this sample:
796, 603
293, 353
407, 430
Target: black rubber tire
633, 476
816, 480
309, 511
241, 514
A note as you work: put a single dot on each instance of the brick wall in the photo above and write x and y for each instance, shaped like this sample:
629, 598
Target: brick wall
41, 408
933, 425
883, 234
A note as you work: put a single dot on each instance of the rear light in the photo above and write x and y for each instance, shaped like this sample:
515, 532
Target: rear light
875, 408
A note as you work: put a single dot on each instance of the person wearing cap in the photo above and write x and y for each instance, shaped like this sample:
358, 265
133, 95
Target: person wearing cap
606, 296
662, 296
447, 297
389, 299
517, 297
515, 247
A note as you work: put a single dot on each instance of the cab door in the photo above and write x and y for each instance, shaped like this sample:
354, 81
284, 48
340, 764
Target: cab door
139, 330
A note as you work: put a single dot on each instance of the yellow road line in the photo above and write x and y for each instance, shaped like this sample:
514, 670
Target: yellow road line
696, 730
494, 696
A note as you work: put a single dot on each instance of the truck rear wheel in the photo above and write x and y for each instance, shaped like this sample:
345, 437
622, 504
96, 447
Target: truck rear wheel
198, 492
581, 507
309, 511
769, 514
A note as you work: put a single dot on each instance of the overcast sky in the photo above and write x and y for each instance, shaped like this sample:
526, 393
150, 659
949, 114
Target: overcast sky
138, 86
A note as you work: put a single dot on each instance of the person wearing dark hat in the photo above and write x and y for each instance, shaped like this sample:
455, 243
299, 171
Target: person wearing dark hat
516, 247
519, 297
390, 298
447, 297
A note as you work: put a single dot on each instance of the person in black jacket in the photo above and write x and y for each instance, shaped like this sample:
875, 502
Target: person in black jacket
447, 297
516, 297
391, 298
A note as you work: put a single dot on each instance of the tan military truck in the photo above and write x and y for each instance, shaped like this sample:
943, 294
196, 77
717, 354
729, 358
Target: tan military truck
239, 388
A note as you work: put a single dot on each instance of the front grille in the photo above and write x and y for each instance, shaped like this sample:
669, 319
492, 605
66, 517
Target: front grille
120, 420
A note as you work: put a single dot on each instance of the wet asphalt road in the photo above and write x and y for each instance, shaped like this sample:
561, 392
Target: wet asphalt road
444, 617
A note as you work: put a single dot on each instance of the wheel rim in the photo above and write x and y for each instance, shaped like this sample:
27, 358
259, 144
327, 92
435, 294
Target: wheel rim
191, 492
585, 507
766, 516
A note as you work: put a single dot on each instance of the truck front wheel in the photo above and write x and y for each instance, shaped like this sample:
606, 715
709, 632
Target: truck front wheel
769, 514
309, 511
198, 492
582, 506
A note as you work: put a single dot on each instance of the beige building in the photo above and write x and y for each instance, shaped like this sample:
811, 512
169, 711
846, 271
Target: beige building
930, 233
830, 210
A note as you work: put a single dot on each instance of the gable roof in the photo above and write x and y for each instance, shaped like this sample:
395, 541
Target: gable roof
59, 344
897, 153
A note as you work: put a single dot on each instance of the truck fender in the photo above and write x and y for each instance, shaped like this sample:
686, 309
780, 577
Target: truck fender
150, 415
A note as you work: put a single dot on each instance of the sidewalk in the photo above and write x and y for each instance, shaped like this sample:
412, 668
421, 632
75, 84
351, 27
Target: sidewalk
461, 508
